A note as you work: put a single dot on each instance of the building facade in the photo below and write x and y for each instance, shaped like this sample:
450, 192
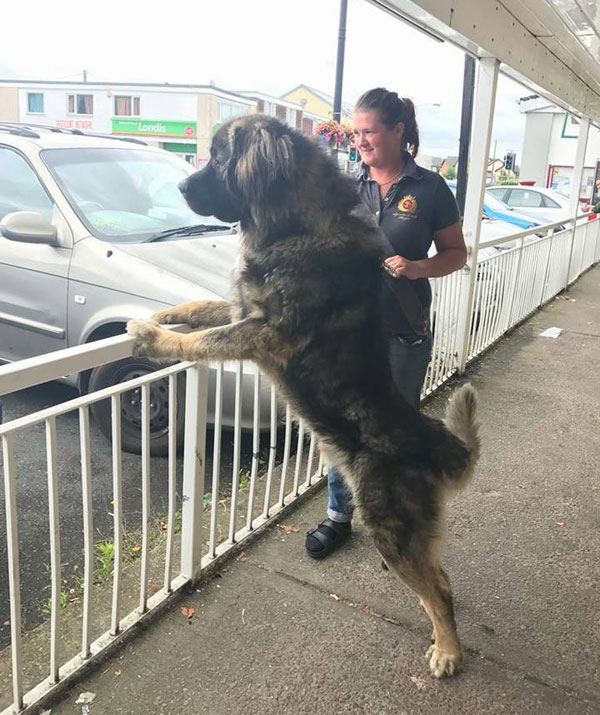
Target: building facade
178, 118
317, 103
549, 147
288, 112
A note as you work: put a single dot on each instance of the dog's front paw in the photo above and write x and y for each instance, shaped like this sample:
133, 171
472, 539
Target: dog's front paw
443, 663
164, 317
146, 334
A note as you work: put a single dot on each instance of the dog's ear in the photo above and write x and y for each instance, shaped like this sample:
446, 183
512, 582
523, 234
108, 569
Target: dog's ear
260, 158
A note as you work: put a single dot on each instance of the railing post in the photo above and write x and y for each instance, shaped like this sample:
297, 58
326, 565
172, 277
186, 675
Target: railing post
194, 453
14, 582
584, 127
513, 288
483, 116
586, 231
546, 268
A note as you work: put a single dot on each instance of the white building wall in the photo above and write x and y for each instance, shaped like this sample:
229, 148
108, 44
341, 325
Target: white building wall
550, 142
56, 108
536, 147
160, 105
563, 148
155, 104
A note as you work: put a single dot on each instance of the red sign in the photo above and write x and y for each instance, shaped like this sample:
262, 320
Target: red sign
74, 123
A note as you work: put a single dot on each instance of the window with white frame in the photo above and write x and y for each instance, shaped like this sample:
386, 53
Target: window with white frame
290, 116
127, 106
230, 110
35, 102
80, 103
270, 109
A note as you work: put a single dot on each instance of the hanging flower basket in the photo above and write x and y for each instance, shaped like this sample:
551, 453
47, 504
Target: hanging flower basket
334, 134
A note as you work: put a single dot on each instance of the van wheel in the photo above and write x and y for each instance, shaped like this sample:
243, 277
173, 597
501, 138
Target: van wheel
131, 405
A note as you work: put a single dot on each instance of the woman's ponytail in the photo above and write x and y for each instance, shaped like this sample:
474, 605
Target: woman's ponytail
411, 130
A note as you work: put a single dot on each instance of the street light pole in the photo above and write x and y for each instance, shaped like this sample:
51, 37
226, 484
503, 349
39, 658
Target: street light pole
339, 67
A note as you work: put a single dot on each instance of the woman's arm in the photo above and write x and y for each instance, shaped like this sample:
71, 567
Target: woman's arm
451, 255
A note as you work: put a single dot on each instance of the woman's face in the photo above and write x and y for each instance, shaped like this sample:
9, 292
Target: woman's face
379, 146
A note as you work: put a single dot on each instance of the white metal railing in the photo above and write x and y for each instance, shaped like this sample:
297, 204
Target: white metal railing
265, 497
508, 287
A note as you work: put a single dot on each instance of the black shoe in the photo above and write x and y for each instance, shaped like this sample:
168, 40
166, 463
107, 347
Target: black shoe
320, 542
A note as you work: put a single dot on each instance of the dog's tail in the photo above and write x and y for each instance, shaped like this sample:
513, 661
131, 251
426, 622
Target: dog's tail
461, 420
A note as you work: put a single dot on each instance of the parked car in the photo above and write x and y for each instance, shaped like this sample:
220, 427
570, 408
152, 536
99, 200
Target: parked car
493, 227
494, 209
93, 232
541, 204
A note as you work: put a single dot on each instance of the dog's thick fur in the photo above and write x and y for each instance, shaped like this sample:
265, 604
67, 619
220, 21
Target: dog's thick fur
307, 312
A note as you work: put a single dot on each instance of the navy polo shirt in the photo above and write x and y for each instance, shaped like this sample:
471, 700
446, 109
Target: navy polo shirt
417, 205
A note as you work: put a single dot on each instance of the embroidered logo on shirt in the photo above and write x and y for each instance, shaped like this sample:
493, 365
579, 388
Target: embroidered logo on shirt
407, 208
408, 205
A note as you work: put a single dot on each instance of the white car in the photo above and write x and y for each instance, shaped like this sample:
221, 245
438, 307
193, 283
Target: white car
493, 228
543, 204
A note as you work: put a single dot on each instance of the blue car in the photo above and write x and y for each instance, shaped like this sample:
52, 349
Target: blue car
494, 208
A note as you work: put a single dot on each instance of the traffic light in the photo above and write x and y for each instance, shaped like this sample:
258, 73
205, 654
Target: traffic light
509, 161
353, 155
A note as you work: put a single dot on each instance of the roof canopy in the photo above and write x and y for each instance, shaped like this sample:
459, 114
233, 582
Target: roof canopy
550, 46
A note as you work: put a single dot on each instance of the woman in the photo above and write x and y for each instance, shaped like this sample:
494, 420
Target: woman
413, 208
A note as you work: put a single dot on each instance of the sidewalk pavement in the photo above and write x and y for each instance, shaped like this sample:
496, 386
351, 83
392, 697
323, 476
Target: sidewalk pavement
277, 633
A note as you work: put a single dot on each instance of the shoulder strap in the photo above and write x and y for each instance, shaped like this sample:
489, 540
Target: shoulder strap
402, 288
404, 292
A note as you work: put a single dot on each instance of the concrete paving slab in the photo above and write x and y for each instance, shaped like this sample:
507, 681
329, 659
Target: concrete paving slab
262, 642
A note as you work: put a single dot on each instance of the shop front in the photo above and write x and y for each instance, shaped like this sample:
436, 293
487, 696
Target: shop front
174, 136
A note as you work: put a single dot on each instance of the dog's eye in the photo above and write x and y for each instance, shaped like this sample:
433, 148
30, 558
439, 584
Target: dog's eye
216, 162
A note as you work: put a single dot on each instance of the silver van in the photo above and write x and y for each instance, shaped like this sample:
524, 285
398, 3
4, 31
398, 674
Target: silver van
93, 232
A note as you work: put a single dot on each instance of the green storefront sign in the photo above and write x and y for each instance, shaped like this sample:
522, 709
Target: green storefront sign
154, 128
179, 148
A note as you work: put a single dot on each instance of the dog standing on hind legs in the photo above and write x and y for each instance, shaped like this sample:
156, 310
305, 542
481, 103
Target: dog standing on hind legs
307, 312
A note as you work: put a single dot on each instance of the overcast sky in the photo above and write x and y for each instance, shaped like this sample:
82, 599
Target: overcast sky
265, 45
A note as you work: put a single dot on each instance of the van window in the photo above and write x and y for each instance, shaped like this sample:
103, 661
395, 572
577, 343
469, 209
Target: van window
20, 187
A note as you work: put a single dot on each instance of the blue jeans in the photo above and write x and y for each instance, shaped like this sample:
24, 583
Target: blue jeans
409, 366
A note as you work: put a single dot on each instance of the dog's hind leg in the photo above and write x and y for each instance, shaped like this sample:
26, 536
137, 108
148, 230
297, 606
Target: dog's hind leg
419, 568
197, 313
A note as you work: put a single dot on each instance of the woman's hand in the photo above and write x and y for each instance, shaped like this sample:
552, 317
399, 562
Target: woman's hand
398, 266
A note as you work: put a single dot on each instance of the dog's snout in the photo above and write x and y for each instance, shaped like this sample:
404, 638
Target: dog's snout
183, 186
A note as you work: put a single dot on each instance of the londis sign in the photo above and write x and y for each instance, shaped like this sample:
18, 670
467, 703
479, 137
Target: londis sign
154, 128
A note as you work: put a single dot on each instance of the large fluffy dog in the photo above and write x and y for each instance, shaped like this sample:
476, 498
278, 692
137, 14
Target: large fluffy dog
308, 290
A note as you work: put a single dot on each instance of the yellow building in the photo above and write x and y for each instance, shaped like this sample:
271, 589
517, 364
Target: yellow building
316, 102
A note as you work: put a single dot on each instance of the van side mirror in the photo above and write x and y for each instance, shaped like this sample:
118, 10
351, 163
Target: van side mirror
28, 227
